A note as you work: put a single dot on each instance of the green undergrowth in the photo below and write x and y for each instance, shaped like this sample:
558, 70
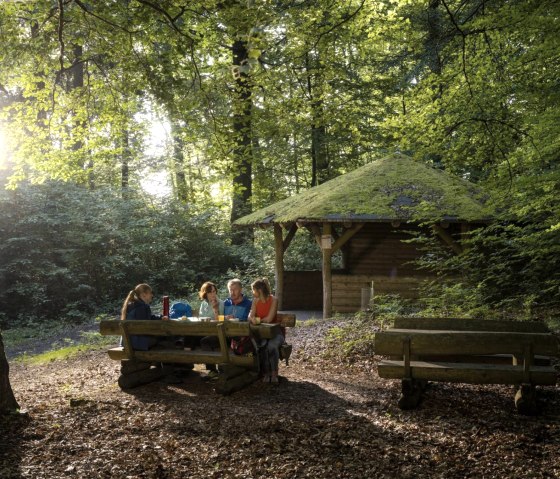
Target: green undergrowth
36, 343
67, 348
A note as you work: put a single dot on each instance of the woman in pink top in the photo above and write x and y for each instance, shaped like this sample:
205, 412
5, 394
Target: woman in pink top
263, 310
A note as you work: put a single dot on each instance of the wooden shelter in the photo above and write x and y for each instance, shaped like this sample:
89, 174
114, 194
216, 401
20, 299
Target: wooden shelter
366, 214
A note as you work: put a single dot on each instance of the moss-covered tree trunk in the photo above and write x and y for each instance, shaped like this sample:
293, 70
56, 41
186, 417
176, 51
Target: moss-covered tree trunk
8, 401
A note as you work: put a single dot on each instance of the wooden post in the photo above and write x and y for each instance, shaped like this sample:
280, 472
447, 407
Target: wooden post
326, 249
279, 264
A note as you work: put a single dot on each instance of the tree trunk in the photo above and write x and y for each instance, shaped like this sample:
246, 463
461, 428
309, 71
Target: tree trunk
8, 401
80, 126
319, 157
125, 163
242, 155
181, 187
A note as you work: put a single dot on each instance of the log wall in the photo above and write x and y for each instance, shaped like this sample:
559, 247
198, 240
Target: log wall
375, 253
377, 249
347, 289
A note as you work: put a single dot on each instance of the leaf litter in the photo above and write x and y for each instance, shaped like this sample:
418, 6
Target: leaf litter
328, 417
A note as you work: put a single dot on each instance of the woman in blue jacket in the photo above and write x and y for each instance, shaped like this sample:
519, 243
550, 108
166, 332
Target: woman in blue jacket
137, 306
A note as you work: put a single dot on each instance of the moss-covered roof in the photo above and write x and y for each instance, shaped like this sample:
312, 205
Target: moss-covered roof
394, 188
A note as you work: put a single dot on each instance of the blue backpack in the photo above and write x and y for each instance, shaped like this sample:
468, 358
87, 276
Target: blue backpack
178, 310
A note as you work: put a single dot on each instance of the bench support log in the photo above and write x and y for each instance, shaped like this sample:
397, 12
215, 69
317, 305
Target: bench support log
227, 386
145, 376
526, 400
411, 393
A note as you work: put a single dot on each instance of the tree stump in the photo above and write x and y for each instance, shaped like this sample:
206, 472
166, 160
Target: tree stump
8, 403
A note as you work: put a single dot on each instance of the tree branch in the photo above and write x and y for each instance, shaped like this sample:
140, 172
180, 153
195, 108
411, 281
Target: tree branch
168, 17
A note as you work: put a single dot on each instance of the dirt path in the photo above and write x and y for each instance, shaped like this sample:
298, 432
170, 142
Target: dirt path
325, 419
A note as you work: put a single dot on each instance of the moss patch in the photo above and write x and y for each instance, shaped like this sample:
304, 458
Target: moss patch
392, 188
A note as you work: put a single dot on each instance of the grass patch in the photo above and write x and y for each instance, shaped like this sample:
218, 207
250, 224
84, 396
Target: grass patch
67, 348
54, 355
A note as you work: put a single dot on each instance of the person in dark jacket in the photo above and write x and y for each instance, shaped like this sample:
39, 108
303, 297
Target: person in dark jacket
137, 306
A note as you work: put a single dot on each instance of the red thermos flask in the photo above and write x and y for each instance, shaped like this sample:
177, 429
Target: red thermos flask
166, 305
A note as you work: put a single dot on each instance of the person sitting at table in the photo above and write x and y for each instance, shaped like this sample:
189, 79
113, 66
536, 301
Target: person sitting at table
263, 310
137, 306
211, 306
236, 306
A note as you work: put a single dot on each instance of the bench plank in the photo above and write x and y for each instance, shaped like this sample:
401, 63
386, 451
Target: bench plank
181, 356
471, 373
463, 324
435, 342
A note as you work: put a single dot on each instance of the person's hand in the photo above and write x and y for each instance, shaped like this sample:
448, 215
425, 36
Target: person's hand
229, 316
165, 318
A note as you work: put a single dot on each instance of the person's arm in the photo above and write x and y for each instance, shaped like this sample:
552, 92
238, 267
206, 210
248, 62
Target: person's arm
271, 316
252, 313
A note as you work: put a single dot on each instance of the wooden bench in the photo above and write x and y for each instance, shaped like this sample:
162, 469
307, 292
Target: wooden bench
467, 351
141, 367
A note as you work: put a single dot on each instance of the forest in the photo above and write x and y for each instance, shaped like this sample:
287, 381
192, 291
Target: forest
133, 132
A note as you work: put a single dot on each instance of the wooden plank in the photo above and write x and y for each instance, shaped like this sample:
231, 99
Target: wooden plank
185, 328
117, 354
464, 342
183, 357
466, 372
287, 320
194, 357
467, 324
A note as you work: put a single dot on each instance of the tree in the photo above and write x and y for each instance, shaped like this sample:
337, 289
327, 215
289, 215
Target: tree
8, 401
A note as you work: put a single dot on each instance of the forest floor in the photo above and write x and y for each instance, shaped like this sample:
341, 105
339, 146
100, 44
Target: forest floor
327, 418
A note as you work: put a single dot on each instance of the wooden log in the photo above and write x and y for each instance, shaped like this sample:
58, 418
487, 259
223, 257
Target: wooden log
466, 324
526, 400
279, 263
464, 342
327, 273
230, 371
186, 328
287, 320
138, 378
237, 383
129, 366
470, 373
196, 357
